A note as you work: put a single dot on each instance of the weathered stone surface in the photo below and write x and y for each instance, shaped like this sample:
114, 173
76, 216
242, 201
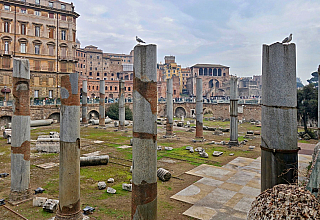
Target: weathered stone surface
50, 205
127, 187
111, 190
102, 185
199, 149
204, 154
110, 180
39, 201
168, 148
218, 153
252, 147
159, 147
291, 201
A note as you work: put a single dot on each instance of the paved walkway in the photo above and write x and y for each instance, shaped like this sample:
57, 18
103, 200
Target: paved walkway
226, 192
306, 148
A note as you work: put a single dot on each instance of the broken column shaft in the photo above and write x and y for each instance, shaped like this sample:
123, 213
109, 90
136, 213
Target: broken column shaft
169, 125
199, 109
20, 143
144, 149
279, 150
233, 111
84, 102
102, 111
69, 168
121, 106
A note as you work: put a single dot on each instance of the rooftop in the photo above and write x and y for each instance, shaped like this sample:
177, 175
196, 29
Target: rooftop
209, 66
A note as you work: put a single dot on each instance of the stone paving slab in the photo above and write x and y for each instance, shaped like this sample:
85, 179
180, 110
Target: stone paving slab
227, 192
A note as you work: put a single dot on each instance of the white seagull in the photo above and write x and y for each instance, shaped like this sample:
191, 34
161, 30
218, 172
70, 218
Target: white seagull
139, 40
287, 39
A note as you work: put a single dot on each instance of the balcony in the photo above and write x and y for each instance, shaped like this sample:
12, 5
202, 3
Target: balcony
6, 53
68, 58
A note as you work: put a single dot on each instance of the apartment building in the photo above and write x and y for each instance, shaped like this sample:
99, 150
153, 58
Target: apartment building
44, 32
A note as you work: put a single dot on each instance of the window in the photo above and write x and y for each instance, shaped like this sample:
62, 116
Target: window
37, 2
5, 80
97, 57
6, 27
91, 57
23, 29
106, 87
63, 17
95, 68
23, 0
51, 50
98, 74
6, 61
51, 33
51, 4
6, 47
51, 15
90, 68
36, 93
63, 35
105, 74
90, 73
74, 36
51, 68
37, 66
7, 7
84, 66
36, 80
50, 82
111, 88
129, 88
23, 10
50, 94
37, 13
63, 7
37, 31
23, 48
36, 49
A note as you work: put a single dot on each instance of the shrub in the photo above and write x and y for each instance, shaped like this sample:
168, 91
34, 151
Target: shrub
113, 112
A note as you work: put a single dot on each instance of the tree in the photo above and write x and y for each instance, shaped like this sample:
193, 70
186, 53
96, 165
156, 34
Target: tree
307, 104
113, 112
314, 79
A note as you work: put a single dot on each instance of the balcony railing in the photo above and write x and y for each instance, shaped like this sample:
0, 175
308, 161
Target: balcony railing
68, 58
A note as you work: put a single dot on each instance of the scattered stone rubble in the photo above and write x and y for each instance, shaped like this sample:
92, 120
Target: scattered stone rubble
163, 174
285, 202
102, 185
48, 143
111, 190
51, 205
127, 187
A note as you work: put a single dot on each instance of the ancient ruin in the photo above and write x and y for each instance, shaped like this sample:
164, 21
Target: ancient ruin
279, 150
144, 148
20, 144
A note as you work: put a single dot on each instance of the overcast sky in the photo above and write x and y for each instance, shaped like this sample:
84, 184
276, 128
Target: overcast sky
227, 32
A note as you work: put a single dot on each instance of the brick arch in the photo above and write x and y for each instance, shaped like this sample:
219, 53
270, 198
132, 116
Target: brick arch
93, 114
180, 111
55, 116
4, 120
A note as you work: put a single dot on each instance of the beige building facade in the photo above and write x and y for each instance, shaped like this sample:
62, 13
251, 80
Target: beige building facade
43, 32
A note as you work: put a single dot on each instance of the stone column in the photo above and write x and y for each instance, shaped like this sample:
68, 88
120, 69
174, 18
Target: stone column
279, 150
102, 111
20, 143
69, 168
233, 111
122, 113
169, 125
319, 102
144, 149
199, 109
84, 102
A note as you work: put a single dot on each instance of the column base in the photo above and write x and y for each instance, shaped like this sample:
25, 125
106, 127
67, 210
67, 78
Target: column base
16, 197
233, 143
198, 139
75, 216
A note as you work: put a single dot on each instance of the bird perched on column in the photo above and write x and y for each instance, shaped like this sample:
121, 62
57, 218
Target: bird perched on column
287, 39
139, 40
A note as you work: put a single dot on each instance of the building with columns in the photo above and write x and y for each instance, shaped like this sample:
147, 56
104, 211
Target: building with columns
43, 32
215, 79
